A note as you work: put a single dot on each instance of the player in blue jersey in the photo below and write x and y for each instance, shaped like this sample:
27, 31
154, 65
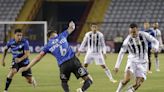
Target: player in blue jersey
151, 32
20, 51
68, 63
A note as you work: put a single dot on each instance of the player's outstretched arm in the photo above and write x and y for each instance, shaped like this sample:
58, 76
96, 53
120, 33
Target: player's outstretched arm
33, 62
4, 55
71, 27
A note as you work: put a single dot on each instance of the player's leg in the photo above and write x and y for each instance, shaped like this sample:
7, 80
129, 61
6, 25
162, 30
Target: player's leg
140, 74
65, 72
28, 75
81, 72
149, 58
99, 59
127, 77
156, 61
108, 73
88, 60
10, 75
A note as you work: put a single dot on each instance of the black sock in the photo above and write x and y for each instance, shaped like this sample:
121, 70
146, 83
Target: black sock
65, 86
149, 65
8, 81
86, 84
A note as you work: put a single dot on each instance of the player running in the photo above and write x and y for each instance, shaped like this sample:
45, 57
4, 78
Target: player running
151, 32
68, 63
96, 49
158, 37
20, 51
137, 46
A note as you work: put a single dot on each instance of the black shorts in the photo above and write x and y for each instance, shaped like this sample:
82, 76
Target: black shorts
17, 66
73, 65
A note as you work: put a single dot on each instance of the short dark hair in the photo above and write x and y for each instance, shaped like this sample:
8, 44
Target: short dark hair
17, 31
94, 23
50, 32
133, 25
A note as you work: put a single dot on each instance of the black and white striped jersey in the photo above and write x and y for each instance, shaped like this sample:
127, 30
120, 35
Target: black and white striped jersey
94, 42
137, 47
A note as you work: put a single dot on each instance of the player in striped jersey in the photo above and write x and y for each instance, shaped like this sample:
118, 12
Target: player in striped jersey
137, 46
158, 37
96, 49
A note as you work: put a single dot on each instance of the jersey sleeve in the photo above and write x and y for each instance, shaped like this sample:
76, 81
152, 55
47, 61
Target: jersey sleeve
8, 45
45, 49
155, 43
103, 44
65, 33
122, 52
26, 45
83, 43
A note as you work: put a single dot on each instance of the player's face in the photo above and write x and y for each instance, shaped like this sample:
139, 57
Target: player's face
133, 32
94, 28
146, 25
18, 36
155, 25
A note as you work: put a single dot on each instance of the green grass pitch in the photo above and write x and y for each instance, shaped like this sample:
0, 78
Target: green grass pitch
46, 73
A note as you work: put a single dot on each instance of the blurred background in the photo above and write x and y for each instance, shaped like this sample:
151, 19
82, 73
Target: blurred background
113, 16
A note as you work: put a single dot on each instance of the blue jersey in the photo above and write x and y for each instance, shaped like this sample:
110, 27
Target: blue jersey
151, 32
18, 48
59, 48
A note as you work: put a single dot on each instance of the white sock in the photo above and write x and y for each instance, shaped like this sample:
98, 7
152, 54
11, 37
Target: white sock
120, 86
108, 73
156, 63
130, 89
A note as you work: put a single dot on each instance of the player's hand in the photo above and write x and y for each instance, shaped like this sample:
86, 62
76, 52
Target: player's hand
23, 69
116, 70
72, 25
17, 60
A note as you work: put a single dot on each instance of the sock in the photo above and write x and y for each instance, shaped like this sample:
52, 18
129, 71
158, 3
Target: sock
108, 73
8, 82
120, 87
149, 66
65, 86
131, 89
156, 63
86, 84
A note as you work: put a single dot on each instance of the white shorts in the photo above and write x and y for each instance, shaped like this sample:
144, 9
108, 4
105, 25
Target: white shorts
98, 58
137, 68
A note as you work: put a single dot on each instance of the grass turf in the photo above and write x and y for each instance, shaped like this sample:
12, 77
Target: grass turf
46, 73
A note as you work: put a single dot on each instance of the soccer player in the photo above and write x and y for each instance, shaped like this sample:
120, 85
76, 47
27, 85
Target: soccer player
96, 49
151, 32
20, 51
158, 37
137, 46
68, 63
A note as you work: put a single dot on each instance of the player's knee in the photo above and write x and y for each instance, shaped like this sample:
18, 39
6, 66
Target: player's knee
139, 82
89, 81
64, 82
124, 82
29, 80
156, 55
